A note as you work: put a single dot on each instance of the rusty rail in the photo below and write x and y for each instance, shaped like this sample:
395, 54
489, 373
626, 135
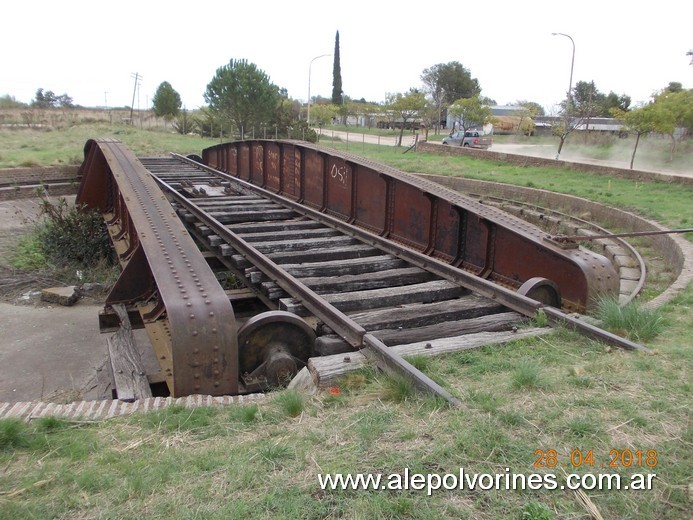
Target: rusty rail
187, 315
577, 238
168, 285
418, 214
498, 293
385, 358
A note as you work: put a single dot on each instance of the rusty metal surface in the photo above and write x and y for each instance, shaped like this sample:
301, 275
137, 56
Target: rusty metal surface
354, 334
188, 317
272, 347
419, 214
338, 321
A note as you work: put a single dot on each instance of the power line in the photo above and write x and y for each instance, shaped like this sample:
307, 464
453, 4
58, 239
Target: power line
137, 78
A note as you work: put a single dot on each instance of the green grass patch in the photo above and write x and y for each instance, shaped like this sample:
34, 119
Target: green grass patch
290, 402
261, 460
527, 375
632, 320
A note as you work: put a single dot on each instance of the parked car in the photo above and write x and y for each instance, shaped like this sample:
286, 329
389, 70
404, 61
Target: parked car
470, 138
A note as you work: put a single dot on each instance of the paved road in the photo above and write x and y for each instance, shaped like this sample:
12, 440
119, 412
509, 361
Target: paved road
547, 151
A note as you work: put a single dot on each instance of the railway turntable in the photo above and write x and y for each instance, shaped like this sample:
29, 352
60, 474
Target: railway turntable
327, 253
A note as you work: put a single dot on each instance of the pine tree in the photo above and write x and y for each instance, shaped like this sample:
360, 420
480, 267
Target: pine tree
336, 75
166, 102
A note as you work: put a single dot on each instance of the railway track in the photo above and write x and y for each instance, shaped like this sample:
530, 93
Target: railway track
322, 266
28, 184
397, 303
630, 264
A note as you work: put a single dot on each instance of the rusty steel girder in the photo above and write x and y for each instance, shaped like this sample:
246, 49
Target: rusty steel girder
187, 315
420, 215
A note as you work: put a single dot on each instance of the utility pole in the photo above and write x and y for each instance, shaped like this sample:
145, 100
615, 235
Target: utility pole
309, 66
137, 78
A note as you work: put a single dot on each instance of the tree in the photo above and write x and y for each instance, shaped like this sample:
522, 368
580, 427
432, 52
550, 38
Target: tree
241, 96
613, 101
337, 91
586, 100
184, 124
470, 112
673, 110
446, 82
166, 102
405, 107
366, 111
529, 110
8, 101
48, 99
641, 121
324, 113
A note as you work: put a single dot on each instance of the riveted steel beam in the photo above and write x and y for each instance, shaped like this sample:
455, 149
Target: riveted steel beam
187, 315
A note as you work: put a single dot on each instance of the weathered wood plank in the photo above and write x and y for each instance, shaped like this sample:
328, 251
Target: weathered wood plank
288, 240
231, 202
202, 229
361, 300
367, 281
329, 268
274, 227
128, 371
235, 198
360, 282
417, 315
293, 257
306, 244
327, 370
491, 323
252, 216
289, 234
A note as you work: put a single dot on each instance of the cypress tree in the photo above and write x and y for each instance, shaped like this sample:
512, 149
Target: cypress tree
336, 75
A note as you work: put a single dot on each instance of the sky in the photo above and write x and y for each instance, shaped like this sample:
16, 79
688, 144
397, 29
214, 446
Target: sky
92, 50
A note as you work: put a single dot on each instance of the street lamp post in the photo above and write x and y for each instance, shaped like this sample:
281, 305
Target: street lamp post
570, 93
309, 68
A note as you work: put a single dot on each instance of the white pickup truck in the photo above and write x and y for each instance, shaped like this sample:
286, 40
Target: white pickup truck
470, 138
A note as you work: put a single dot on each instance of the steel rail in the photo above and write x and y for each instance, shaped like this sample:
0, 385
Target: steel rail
513, 300
575, 238
374, 349
576, 220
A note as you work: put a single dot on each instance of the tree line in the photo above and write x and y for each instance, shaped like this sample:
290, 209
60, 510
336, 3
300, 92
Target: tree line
242, 101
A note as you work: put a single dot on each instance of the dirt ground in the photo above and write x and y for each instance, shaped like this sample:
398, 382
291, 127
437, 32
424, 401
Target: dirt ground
47, 351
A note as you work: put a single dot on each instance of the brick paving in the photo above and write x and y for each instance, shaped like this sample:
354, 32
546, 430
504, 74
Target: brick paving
101, 410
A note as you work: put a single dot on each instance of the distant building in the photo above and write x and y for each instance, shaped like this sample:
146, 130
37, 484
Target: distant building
507, 119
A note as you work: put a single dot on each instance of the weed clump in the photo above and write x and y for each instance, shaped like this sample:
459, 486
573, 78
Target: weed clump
72, 235
632, 321
13, 435
291, 403
398, 389
68, 243
536, 511
527, 375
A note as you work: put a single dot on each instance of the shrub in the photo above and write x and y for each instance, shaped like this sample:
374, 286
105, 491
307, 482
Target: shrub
72, 235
